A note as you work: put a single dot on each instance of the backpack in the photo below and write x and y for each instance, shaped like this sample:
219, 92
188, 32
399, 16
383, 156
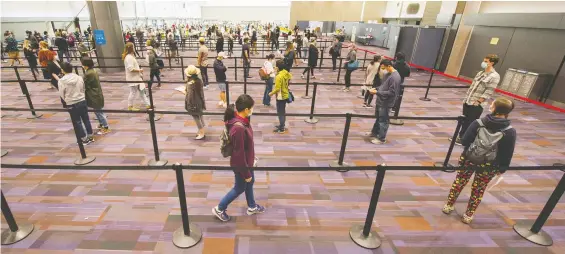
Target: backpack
353, 65
263, 74
226, 146
485, 146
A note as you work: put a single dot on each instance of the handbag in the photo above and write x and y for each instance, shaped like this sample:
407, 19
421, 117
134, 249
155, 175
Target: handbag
290, 97
353, 65
45, 73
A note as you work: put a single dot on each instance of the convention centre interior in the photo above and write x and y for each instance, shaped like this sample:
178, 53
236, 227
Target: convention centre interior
366, 127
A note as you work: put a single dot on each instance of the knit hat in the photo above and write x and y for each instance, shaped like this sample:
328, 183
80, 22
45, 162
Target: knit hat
191, 70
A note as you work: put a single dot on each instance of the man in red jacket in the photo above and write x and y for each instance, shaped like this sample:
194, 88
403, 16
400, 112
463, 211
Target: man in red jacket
242, 158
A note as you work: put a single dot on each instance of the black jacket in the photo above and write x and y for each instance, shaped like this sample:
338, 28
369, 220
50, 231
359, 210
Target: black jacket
62, 43
312, 56
505, 145
402, 68
220, 71
220, 44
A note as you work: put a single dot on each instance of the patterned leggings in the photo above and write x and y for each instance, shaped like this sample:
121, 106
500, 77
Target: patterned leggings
480, 183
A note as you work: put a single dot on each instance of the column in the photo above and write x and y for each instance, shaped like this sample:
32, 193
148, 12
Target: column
104, 16
462, 38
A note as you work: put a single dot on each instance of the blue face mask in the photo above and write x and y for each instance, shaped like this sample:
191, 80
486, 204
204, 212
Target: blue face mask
484, 65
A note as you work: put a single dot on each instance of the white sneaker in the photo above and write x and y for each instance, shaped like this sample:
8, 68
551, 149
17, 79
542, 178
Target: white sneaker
377, 141
302, 76
220, 103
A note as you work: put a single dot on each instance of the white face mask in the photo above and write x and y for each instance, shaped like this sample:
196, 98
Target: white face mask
484, 65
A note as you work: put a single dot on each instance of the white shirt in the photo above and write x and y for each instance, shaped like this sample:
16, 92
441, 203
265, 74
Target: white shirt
131, 64
268, 65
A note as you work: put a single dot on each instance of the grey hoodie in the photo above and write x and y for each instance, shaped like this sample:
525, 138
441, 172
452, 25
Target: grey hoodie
71, 88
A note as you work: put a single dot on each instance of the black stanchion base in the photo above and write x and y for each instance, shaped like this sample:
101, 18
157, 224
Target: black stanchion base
153, 162
183, 241
396, 122
306, 97
440, 165
335, 164
372, 241
555, 164
81, 161
9, 237
425, 99
34, 116
360, 96
541, 238
4, 152
312, 120
157, 117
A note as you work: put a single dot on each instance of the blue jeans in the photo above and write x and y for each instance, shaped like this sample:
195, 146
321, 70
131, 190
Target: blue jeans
79, 116
101, 117
246, 66
240, 186
281, 112
268, 89
380, 127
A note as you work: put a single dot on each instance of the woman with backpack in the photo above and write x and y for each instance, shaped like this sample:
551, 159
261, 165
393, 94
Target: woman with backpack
489, 145
242, 146
372, 80
153, 60
269, 73
350, 62
194, 100
312, 59
289, 56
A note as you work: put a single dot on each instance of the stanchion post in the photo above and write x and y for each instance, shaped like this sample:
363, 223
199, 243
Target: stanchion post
235, 62
445, 163
339, 162
244, 81
23, 87
182, 66
19, 80
339, 69
321, 58
228, 92
397, 107
311, 119
76, 70
362, 234
364, 60
425, 98
83, 160
157, 161
533, 232
14, 233
151, 105
188, 234
307, 83
169, 56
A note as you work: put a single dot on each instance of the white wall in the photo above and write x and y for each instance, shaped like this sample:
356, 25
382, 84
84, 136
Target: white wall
397, 9
522, 7
251, 13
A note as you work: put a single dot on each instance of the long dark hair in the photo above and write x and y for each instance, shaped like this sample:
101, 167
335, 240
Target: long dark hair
243, 101
376, 58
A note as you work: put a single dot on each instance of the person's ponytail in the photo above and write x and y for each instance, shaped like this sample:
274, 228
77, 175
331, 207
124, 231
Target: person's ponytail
229, 113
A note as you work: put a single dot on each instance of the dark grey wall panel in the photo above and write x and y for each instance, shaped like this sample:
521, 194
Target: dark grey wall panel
407, 41
479, 46
303, 24
557, 94
524, 20
428, 47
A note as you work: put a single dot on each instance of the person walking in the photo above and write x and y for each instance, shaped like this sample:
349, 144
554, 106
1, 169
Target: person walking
242, 160
62, 47
12, 48
134, 73
495, 130
93, 94
479, 93
202, 61
270, 71
153, 60
386, 97
52, 70
220, 71
195, 104
335, 52
31, 58
71, 89
282, 92
350, 59
373, 78
312, 59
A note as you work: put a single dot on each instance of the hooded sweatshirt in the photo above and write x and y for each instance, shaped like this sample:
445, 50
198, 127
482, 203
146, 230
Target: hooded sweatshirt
241, 136
71, 88
281, 84
505, 145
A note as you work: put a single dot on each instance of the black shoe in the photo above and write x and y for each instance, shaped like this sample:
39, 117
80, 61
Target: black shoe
280, 131
457, 141
87, 141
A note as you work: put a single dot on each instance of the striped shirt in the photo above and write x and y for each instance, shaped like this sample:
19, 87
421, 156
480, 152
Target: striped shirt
482, 87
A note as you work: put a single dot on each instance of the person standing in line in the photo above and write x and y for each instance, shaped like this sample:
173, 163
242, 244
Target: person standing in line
220, 71
62, 46
12, 48
351, 57
202, 61
269, 70
131, 39
71, 40
71, 89
195, 104
495, 123
93, 94
335, 52
386, 97
401, 66
220, 43
281, 90
134, 73
153, 60
277, 35
312, 59
173, 49
245, 58
242, 158
268, 38
299, 45
305, 49
373, 77
53, 69
289, 56
230, 44
29, 54
139, 35
479, 93
254, 41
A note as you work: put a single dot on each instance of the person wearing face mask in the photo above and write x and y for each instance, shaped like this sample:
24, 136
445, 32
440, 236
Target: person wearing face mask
351, 57
479, 93
282, 92
242, 158
71, 89
502, 137
386, 97
93, 94
195, 103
